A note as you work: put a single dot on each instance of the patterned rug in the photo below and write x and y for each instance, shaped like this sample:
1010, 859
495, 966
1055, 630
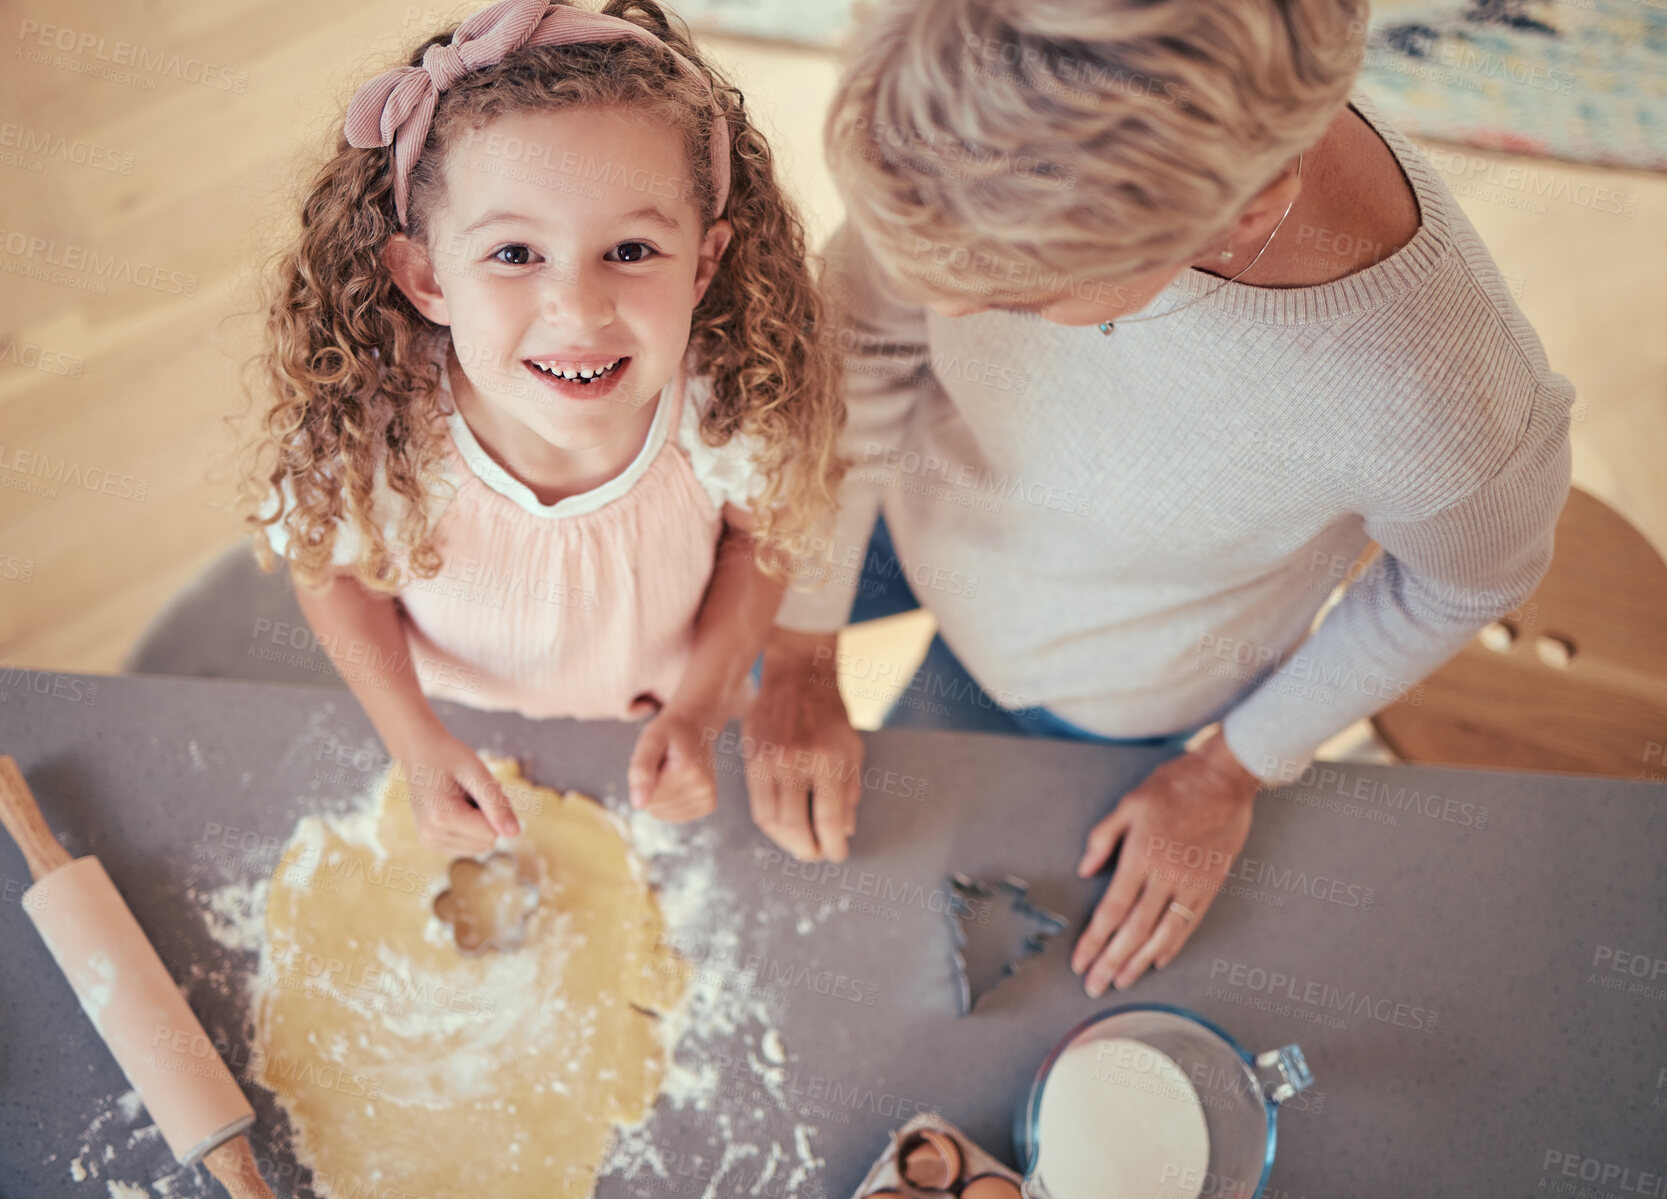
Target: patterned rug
1583, 80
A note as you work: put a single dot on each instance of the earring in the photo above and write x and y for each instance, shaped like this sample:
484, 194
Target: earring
1106, 327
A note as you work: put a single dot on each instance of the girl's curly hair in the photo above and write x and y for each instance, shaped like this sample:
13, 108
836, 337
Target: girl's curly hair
348, 358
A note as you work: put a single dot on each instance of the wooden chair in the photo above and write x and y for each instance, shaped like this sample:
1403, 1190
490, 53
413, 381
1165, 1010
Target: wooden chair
1573, 681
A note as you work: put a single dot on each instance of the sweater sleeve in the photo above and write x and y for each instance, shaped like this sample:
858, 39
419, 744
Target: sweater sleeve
1439, 579
882, 344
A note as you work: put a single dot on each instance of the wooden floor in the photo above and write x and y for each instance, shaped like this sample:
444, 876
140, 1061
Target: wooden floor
125, 294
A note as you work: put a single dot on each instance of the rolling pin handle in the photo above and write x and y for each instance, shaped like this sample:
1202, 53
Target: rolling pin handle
23, 820
233, 1163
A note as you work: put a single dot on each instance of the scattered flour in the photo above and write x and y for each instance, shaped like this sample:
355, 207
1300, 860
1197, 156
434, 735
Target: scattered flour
724, 1006
236, 914
97, 1138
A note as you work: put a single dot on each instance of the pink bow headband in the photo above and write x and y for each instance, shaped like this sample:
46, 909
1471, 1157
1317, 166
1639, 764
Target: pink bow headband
398, 106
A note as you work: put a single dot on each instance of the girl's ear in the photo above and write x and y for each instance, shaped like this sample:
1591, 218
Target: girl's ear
712, 248
413, 273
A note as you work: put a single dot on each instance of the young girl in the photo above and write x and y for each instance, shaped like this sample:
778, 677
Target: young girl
546, 376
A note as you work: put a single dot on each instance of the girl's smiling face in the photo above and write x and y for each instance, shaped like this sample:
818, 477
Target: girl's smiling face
567, 258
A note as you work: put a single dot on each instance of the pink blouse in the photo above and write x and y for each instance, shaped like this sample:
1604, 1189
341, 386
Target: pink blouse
585, 607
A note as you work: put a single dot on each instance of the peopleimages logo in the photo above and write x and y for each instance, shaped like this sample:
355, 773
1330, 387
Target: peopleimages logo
1325, 996
43, 143
816, 764
550, 158
38, 253
119, 53
1392, 799
39, 358
1474, 61
841, 883
1194, 860
1300, 667
1531, 181
998, 485
57, 686
774, 975
1624, 1179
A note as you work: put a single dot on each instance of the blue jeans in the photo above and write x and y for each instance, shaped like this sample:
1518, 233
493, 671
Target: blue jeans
942, 695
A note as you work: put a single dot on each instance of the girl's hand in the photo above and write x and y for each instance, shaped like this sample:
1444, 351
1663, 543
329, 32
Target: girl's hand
671, 775
1181, 830
459, 806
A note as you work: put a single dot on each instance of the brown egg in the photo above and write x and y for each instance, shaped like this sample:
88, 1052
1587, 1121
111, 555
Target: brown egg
931, 1160
990, 1186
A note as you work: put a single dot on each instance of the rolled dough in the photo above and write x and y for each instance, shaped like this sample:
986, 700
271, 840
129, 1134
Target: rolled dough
408, 1067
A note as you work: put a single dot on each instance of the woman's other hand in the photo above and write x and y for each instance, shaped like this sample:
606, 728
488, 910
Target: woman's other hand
1180, 831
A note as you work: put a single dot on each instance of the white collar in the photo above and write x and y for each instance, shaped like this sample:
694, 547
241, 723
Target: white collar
487, 470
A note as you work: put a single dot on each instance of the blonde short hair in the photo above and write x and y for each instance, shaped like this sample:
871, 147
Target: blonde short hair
998, 148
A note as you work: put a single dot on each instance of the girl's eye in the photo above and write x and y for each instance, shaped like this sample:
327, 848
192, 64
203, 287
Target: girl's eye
518, 255
632, 251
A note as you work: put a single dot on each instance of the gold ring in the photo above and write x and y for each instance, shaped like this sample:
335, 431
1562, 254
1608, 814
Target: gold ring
1181, 910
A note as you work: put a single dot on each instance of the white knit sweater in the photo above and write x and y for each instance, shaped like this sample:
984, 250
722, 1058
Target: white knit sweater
1138, 531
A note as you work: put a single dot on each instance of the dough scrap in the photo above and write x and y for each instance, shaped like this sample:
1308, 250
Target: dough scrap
409, 1067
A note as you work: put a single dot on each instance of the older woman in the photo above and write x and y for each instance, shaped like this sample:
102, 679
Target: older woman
1151, 332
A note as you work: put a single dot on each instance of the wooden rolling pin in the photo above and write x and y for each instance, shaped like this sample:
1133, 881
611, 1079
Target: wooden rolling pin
128, 994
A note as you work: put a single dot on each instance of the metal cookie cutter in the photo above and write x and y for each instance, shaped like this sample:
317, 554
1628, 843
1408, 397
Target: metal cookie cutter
991, 939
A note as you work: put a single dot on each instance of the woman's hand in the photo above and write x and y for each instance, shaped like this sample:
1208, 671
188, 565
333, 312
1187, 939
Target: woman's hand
1180, 830
670, 775
805, 776
459, 806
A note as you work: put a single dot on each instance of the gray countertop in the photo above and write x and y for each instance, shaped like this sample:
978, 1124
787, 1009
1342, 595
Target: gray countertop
1510, 932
